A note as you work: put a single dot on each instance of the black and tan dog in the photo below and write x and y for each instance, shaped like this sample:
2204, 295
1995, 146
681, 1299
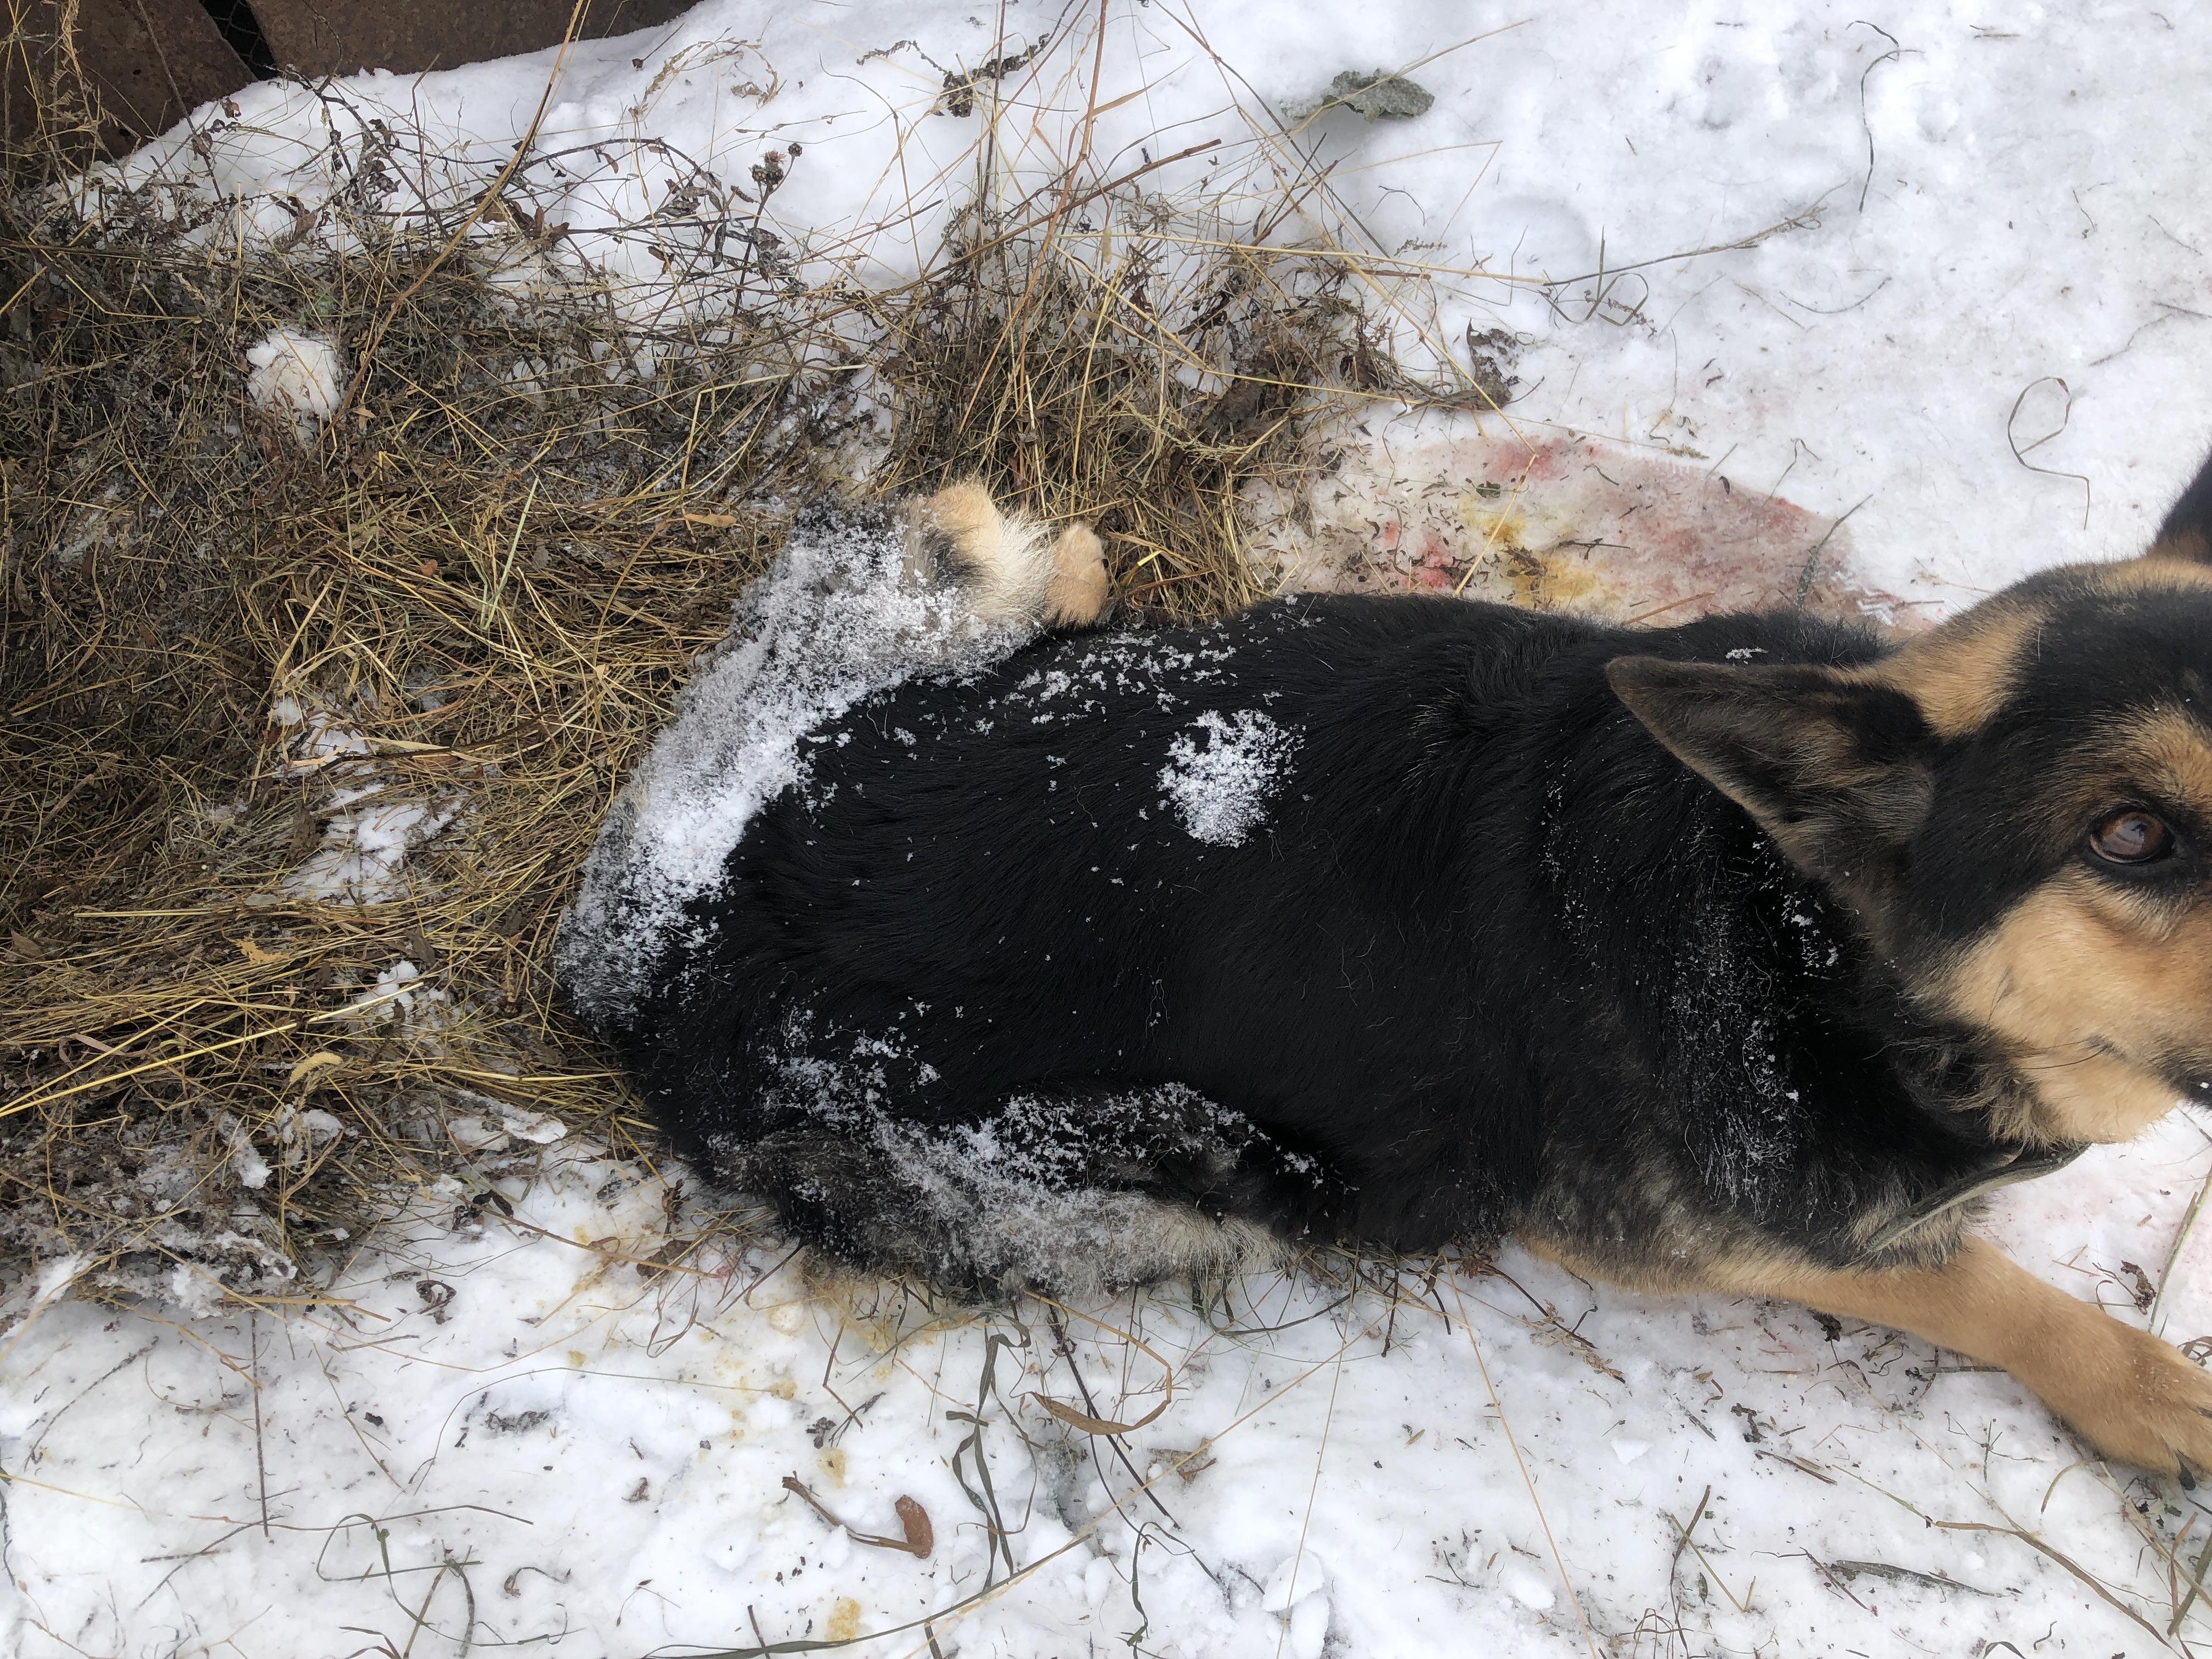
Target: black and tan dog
1740, 956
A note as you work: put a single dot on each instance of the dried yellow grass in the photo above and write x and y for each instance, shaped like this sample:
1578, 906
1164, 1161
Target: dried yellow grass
492, 567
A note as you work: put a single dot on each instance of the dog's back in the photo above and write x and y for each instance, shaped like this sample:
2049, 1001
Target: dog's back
1347, 870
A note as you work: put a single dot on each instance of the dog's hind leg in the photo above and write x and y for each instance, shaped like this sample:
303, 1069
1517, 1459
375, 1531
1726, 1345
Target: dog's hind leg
904, 1202
1010, 569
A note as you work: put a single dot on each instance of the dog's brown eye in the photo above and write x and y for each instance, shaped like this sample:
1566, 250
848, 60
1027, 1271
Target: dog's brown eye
2131, 838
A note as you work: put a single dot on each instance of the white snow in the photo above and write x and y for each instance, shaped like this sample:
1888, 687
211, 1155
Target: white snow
1222, 772
1527, 1586
582, 1421
371, 824
365, 844
295, 373
398, 1003
246, 1163
55, 1277
1847, 266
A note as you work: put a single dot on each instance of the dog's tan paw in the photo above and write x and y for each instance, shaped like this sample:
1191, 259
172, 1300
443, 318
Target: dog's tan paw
968, 521
2138, 1401
1076, 595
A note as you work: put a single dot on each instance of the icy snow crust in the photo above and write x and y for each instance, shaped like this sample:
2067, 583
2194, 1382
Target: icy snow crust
837, 616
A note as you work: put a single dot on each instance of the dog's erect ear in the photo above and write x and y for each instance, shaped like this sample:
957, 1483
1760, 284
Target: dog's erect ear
2186, 530
1834, 768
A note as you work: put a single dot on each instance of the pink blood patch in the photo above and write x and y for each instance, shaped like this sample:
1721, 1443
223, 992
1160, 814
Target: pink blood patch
1570, 524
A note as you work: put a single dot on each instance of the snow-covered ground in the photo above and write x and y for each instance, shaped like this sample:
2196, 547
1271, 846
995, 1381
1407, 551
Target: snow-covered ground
1864, 269
534, 1429
1858, 263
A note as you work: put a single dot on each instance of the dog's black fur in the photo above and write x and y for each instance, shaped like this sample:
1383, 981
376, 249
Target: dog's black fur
1739, 956
1496, 961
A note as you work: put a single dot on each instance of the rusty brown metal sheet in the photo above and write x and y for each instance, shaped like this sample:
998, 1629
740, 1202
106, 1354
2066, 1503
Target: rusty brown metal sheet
336, 37
151, 62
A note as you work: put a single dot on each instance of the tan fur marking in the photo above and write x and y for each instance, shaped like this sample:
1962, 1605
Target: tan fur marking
2173, 755
982, 540
2090, 988
999, 558
965, 512
2189, 547
2132, 1396
1961, 672
2181, 561
1076, 595
2093, 987
1686, 1269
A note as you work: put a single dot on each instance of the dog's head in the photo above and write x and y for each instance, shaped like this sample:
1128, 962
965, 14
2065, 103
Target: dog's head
2016, 807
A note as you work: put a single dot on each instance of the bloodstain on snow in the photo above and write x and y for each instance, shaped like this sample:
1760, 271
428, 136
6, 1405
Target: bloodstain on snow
1567, 524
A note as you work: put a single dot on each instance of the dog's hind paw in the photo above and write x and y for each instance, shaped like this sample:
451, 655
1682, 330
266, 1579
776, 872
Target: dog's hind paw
1076, 595
1009, 570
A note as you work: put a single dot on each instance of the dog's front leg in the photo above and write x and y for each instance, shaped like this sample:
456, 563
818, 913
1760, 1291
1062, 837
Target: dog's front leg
2132, 1396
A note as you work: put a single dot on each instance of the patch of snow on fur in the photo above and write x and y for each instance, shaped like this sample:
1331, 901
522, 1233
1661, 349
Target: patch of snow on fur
1222, 789
1056, 1195
837, 618
297, 374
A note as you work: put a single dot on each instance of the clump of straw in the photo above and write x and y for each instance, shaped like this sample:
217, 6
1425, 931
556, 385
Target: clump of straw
308, 722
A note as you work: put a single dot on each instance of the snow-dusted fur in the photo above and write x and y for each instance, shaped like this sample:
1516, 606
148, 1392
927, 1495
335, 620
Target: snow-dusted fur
860, 600
1042, 1196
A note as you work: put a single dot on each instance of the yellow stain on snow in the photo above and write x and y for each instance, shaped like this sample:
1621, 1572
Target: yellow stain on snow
1501, 537
832, 1459
1491, 525
1543, 581
844, 1620
576, 1357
